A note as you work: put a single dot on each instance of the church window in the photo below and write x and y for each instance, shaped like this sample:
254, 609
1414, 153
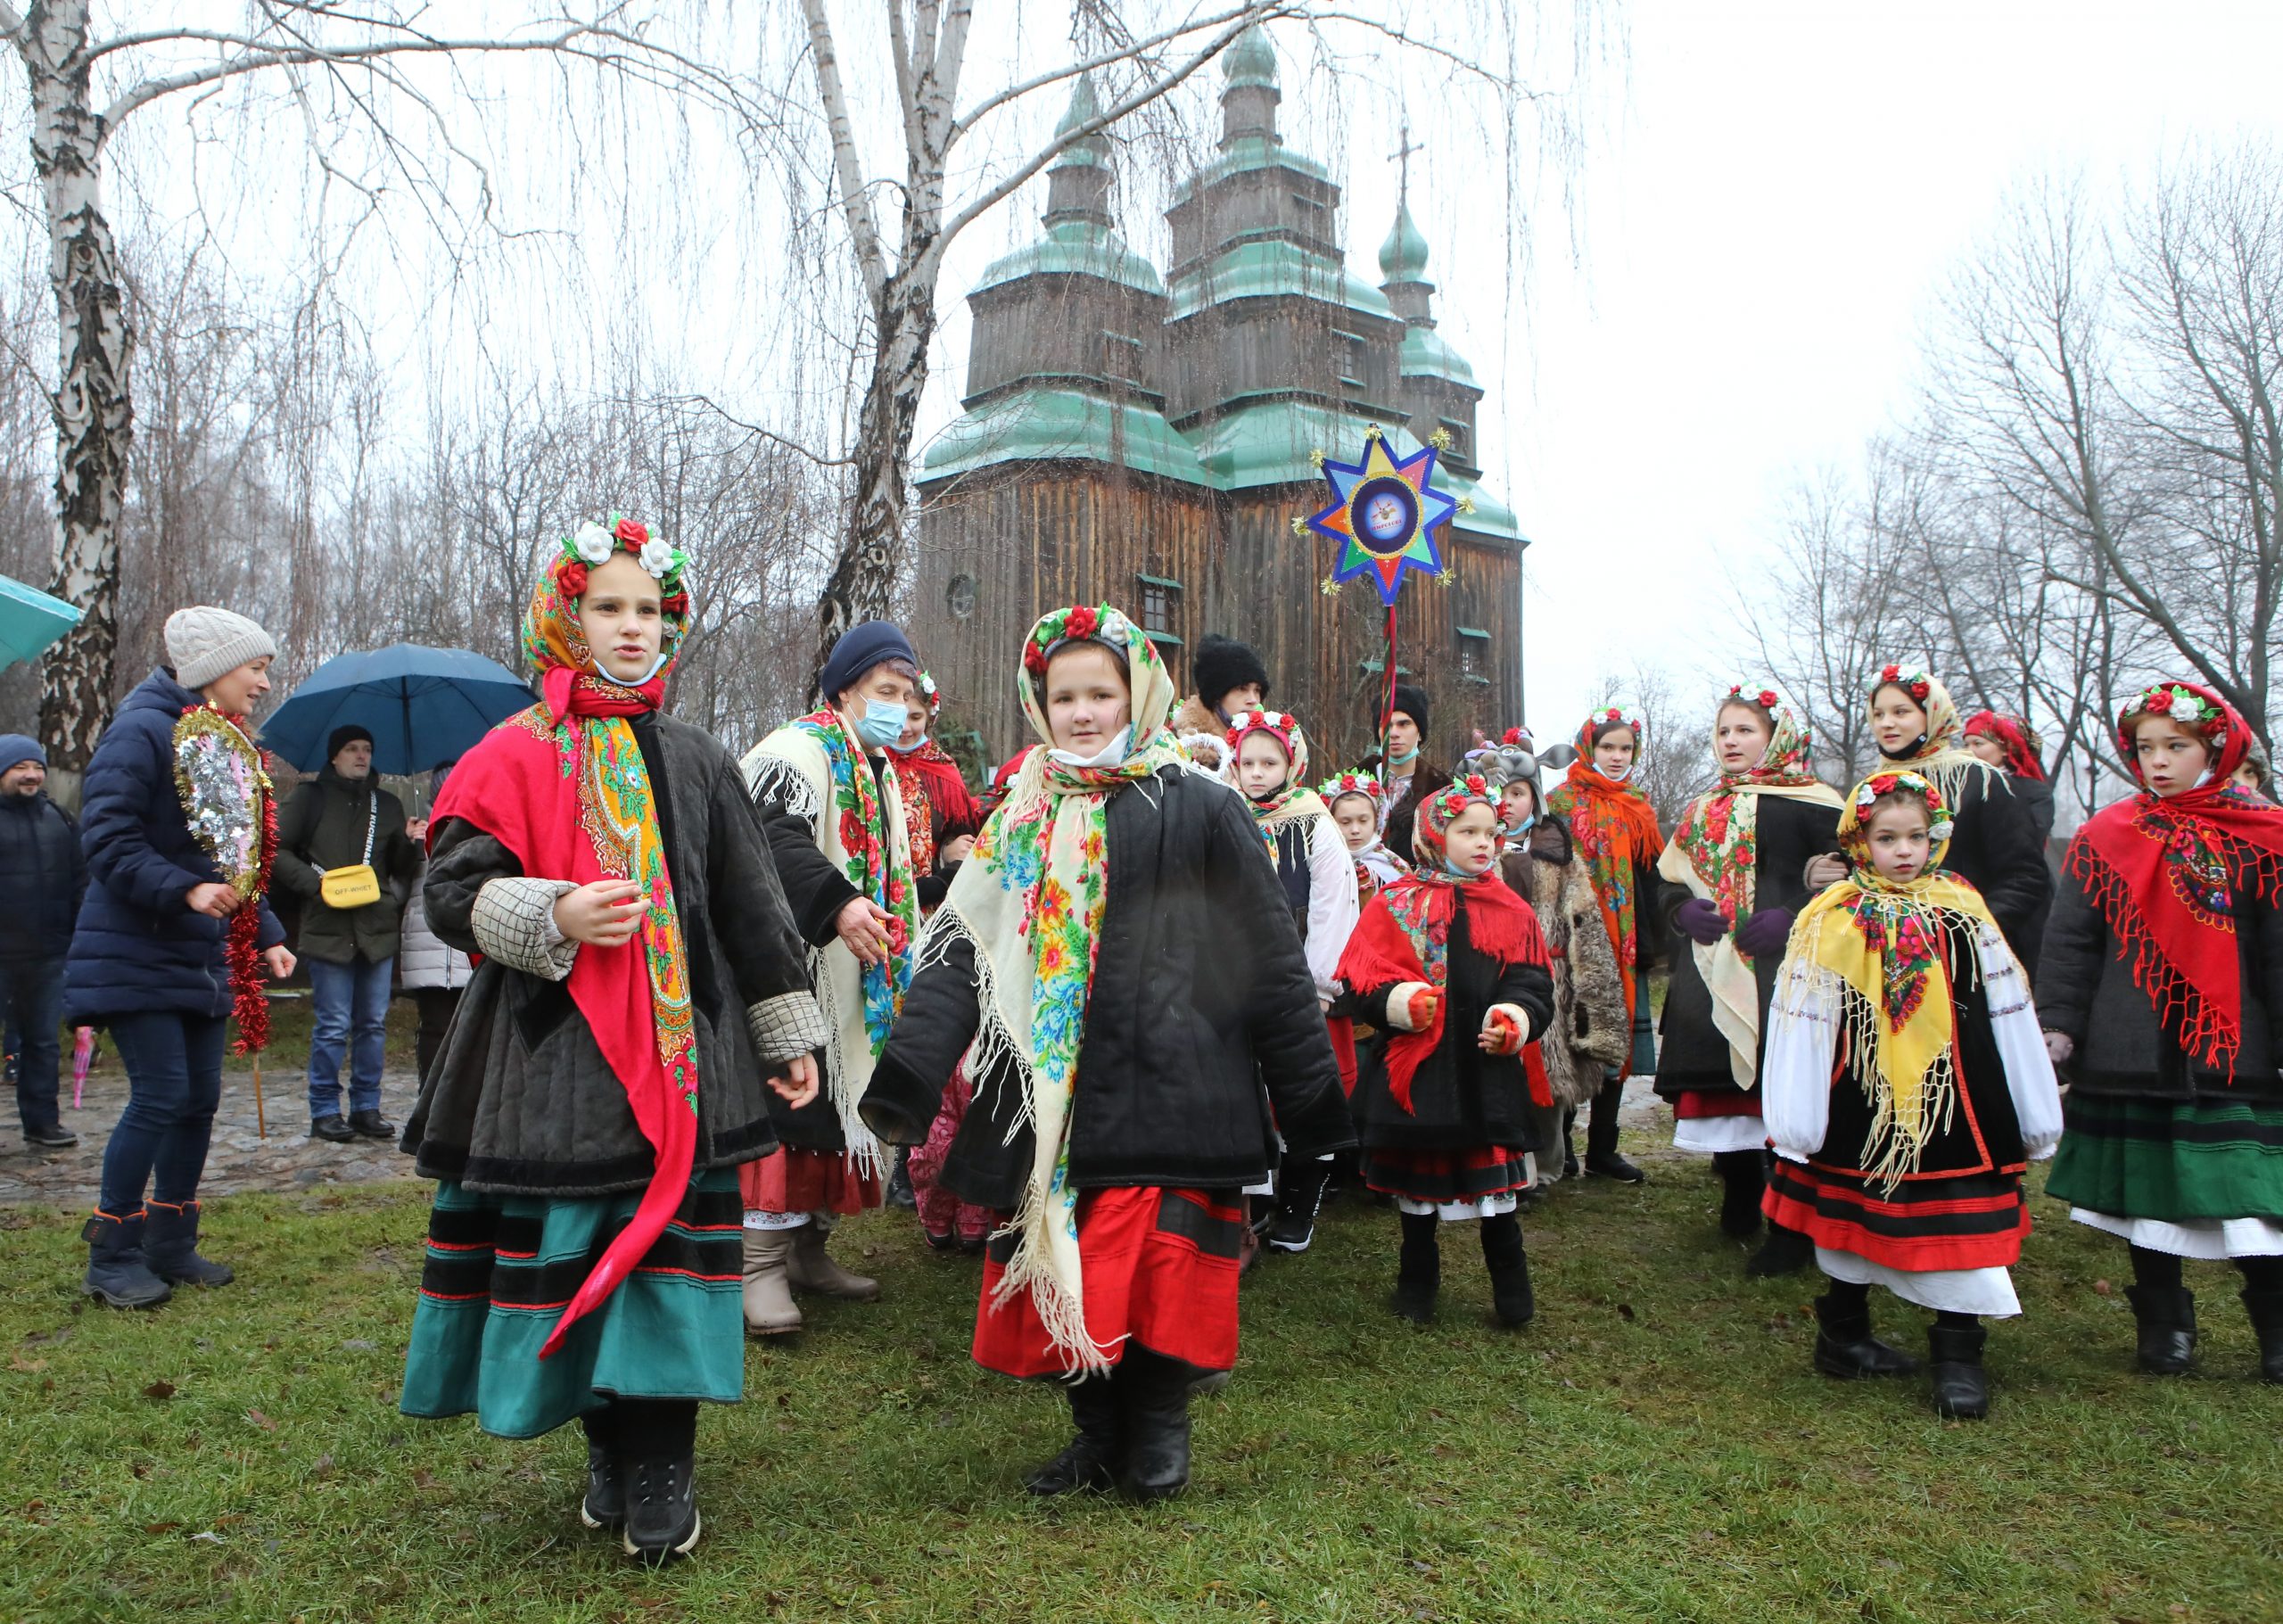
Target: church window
1160, 608
1474, 655
958, 598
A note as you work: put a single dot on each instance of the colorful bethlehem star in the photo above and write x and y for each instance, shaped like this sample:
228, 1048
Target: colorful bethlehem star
1385, 512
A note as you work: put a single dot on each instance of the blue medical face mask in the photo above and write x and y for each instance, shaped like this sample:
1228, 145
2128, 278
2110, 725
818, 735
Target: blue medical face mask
882, 722
901, 748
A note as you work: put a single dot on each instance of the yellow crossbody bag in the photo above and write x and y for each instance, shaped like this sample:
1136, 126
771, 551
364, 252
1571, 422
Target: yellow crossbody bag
355, 885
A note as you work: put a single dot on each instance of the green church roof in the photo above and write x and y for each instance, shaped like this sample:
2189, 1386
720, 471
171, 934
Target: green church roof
1248, 152
1251, 62
1046, 424
1075, 248
1425, 355
1271, 268
1403, 257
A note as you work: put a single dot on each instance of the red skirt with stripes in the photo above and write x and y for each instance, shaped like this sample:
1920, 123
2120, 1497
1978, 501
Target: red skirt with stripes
1157, 1266
1445, 1176
1969, 1221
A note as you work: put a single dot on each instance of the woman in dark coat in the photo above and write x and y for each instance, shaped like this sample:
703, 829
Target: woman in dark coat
640, 994
2161, 994
1450, 966
1118, 953
179, 828
1734, 875
2006, 743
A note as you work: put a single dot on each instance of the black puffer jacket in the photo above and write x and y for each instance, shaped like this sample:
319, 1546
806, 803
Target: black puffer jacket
1460, 1098
2085, 991
42, 874
1694, 1056
2036, 795
1200, 996
2000, 853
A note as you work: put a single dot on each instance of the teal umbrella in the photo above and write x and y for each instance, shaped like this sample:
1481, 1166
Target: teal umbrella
29, 620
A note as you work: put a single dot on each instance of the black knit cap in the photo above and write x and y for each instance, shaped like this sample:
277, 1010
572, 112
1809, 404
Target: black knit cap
1221, 664
348, 733
1411, 701
860, 648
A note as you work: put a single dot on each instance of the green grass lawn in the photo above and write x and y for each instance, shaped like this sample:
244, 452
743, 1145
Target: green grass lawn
1654, 1447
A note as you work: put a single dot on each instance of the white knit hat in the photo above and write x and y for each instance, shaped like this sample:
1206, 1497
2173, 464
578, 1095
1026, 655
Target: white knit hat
204, 642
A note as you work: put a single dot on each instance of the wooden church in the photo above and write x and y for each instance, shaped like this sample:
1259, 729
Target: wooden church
1152, 442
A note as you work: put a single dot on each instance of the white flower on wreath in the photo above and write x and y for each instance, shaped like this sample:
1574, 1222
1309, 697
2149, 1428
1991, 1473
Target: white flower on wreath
593, 544
1941, 831
658, 558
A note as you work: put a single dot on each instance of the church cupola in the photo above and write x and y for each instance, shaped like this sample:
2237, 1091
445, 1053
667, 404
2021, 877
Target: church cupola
1249, 93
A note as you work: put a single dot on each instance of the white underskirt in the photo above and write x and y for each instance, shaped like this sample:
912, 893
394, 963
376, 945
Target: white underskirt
756, 1218
1716, 1135
1987, 1292
1470, 1212
2212, 1240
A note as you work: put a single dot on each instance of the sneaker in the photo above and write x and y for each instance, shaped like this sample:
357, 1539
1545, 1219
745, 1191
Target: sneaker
370, 1125
1291, 1231
662, 1520
605, 1504
57, 1138
333, 1129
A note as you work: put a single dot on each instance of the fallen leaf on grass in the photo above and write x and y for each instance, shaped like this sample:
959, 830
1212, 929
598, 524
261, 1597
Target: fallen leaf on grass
20, 1363
160, 1527
159, 1389
2103, 1288
261, 1421
1625, 1312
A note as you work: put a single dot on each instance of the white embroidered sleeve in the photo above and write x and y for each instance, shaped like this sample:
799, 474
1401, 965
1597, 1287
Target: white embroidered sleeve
1795, 1067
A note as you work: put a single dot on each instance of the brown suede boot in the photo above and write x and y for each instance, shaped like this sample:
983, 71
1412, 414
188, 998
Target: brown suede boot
812, 1268
769, 1308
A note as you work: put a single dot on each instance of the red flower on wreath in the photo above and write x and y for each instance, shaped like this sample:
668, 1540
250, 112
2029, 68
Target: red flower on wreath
1919, 692
677, 603
1035, 660
1768, 698
571, 578
1888, 673
1083, 623
633, 532
2160, 701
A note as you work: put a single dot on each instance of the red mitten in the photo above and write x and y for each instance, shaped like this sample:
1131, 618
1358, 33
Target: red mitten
1421, 1009
1506, 1036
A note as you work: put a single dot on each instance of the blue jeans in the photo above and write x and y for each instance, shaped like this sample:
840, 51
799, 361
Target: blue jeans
174, 1081
352, 1015
33, 993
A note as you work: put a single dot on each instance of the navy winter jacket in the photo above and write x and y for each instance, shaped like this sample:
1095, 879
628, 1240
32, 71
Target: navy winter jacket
41, 876
139, 946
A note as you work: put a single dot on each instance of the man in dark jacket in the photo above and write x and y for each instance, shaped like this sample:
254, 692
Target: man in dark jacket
1410, 779
340, 819
43, 875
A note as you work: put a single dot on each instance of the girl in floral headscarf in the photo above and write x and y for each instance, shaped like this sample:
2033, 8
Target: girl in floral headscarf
2162, 991
1615, 830
1735, 875
1116, 964
1451, 968
605, 1076
1997, 850
1906, 1091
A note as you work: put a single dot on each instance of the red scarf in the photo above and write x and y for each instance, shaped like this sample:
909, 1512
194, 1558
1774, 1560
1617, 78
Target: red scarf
2020, 760
520, 786
1405, 935
2165, 872
1617, 834
918, 807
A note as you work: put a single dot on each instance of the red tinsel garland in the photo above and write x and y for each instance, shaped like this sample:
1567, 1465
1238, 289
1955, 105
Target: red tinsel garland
242, 947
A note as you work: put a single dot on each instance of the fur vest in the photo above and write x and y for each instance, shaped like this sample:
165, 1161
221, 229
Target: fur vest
1588, 1031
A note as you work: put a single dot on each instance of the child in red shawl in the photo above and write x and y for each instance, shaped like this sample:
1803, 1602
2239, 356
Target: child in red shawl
2162, 992
1615, 830
604, 1078
1451, 968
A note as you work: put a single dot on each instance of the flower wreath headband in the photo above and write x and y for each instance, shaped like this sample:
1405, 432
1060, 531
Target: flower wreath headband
1915, 680
1765, 698
591, 545
1939, 826
1349, 783
2183, 707
1624, 716
1449, 802
1079, 621
1283, 724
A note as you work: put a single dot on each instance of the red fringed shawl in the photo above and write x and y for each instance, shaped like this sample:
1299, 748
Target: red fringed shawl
1405, 935
2164, 873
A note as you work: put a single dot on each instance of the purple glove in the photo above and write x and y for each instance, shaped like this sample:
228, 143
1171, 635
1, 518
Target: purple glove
1766, 931
1700, 921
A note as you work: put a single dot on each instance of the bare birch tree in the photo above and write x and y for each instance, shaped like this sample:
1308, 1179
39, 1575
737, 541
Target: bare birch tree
84, 86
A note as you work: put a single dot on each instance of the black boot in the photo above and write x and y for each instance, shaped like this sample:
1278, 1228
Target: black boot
1602, 1159
604, 1504
1961, 1386
1785, 1251
2266, 1309
1744, 1180
1510, 1270
899, 1192
1300, 1196
170, 1247
370, 1125
1844, 1345
1153, 1404
1570, 1164
1091, 1461
1419, 1268
2166, 1317
661, 1520
116, 1271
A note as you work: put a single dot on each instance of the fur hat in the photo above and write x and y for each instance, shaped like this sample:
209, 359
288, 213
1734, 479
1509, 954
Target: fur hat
1222, 663
203, 643
1411, 701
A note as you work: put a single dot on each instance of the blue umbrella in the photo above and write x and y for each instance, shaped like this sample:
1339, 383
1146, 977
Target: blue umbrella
29, 620
423, 706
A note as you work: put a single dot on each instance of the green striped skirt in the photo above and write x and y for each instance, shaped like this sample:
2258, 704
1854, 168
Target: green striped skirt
2179, 1162
500, 1271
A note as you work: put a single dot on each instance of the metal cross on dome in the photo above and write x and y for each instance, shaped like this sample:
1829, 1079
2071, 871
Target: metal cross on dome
1385, 512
